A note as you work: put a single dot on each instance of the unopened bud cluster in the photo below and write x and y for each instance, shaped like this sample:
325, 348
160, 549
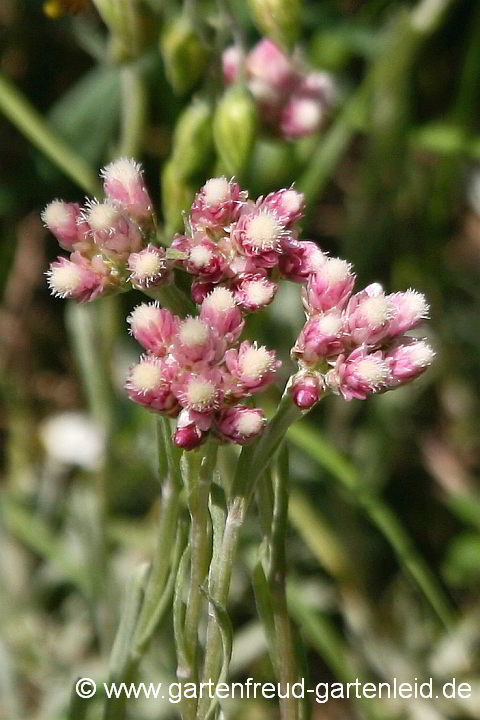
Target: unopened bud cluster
355, 344
292, 102
108, 240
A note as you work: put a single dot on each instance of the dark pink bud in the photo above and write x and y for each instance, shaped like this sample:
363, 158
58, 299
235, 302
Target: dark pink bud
306, 389
300, 260
187, 434
329, 287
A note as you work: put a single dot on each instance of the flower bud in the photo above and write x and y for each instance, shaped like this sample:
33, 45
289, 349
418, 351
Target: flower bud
78, 278
206, 260
359, 375
241, 424
201, 394
193, 140
289, 205
218, 204
410, 308
234, 127
255, 292
329, 287
184, 55
221, 312
195, 342
149, 383
153, 327
368, 315
260, 234
409, 360
306, 389
322, 336
271, 67
279, 19
149, 268
113, 231
124, 183
187, 434
253, 367
61, 219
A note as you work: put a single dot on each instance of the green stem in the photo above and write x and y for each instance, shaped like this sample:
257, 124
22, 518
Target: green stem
200, 548
168, 459
24, 116
252, 463
285, 652
134, 110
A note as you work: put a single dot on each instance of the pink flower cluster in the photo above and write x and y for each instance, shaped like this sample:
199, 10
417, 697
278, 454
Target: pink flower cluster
108, 240
196, 369
244, 245
355, 344
292, 102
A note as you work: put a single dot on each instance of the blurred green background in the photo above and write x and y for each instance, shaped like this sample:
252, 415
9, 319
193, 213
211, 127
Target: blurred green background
384, 546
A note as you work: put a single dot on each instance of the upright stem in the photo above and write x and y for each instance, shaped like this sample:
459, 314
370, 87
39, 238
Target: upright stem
252, 462
285, 652
200, 547
171, 487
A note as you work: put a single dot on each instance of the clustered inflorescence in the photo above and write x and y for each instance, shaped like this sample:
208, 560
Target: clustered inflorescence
196, 368
292, 102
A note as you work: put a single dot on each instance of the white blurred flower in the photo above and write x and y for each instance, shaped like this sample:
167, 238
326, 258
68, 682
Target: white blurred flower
73, 438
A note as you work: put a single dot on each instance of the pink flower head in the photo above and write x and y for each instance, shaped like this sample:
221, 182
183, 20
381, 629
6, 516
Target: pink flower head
268, 64
201, 393
113, 231
410, 308
78, 278
149, 383
368, 315
289, 205
359, 375
125, 185
260, 235
232, 60
205, 259
61, 218
153, 327
187, 434
255, 292
217, 204
306, 389
330, 286
222, 313
301, 116
322, 336
409, 360
253, 367
196, 342
149, 268
241, 424
302, 259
